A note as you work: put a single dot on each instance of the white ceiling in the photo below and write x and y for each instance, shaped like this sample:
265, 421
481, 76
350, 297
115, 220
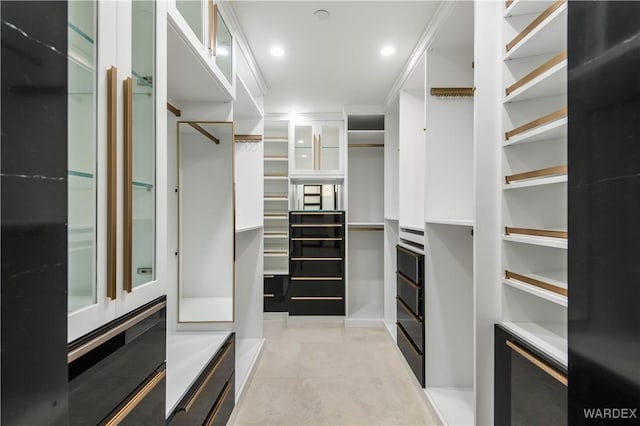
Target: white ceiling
334, 62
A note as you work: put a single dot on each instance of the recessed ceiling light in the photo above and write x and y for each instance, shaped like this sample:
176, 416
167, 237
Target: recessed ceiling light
277, 51
222, 51
300, 141
321, 14
387, 50
304, 155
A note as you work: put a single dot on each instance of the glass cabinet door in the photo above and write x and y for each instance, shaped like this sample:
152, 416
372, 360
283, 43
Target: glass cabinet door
193, 12
329, 147
304, 147
142, 185
224, 46
82, 140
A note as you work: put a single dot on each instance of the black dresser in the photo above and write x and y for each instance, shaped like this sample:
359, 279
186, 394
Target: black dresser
316, 263
410, 309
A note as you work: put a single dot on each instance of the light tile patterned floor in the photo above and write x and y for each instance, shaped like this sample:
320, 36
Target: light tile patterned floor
330, 375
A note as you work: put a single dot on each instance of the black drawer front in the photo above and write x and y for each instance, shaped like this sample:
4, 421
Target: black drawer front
316, 231
104, 377
411, 324
316, 305
317, 288
150, 410
414, 358
410, 293
197, 404
311, 247
530, 389
276, 284
275, 303
221, 412
410, 264
316, 267
316, 217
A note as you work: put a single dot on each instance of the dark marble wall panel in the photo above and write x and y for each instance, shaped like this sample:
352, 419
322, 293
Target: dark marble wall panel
604, 211
33, 170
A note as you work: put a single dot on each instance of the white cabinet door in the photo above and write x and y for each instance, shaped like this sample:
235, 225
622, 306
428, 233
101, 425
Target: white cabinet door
114, 209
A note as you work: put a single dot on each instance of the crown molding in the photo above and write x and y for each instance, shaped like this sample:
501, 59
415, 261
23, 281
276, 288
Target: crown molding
439, 17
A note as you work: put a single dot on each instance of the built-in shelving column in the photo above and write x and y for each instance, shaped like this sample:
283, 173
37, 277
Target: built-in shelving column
534, 202
449, 219
276, 213
365, 171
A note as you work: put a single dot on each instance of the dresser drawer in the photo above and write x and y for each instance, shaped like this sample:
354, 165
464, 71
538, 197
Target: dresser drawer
146, 405
317, 288
316, 231
109, 364
275, 284
316, 266
221, 411
316, 247
275, 302
412, 324
325, 217
410, 293
316, 305
414, 357
410, 264
196, 406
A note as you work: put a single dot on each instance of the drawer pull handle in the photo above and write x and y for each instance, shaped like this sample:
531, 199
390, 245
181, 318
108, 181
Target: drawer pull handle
317, 225
316, 278
269, 276
98, 340
214, 412
316, 239
135, 400
408, 339
408, 310
315, 258
203, 384
315, 213
408, 280
269, 295
127, 198
538, 363
316, 298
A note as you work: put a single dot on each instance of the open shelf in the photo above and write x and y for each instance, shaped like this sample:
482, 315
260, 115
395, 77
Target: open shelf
536, 182
365, 136
549, 337
526, 7
557, 279
550, 79
248, 228
544, 238
273, 177
545, 34
551, 130
536, 124
455, 406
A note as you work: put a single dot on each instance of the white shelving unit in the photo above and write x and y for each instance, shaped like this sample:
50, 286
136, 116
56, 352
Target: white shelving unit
276, 199
365, 215
534, 288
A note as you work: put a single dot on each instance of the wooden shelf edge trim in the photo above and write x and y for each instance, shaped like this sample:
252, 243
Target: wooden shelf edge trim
536, 232
537, 283
247, 138
537, 72
453, 91
532, 26
549, 171
556, 115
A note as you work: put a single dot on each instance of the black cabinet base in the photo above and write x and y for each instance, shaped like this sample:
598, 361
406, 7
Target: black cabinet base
414, 357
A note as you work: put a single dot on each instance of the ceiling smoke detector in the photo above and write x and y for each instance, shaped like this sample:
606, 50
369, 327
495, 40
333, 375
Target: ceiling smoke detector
321, 14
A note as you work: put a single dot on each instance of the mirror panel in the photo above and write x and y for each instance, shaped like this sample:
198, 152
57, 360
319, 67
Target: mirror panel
317, 196
143, 192
82, 282
205, 222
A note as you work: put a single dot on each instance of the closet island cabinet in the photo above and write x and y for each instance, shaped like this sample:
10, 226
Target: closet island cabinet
115, 208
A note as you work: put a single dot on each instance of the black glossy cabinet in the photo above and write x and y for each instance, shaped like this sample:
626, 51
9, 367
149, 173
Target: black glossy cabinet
275, 293
118, 370
211, 398
410, 309
530, 388
316, 263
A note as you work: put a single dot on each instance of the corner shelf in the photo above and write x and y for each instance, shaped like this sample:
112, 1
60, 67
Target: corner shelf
546, 36
549, 337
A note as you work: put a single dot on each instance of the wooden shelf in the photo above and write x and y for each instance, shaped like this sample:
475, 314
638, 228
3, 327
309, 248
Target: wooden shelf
556, 129
546, 119
545, 34
549, 79
276, 158
543, 285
